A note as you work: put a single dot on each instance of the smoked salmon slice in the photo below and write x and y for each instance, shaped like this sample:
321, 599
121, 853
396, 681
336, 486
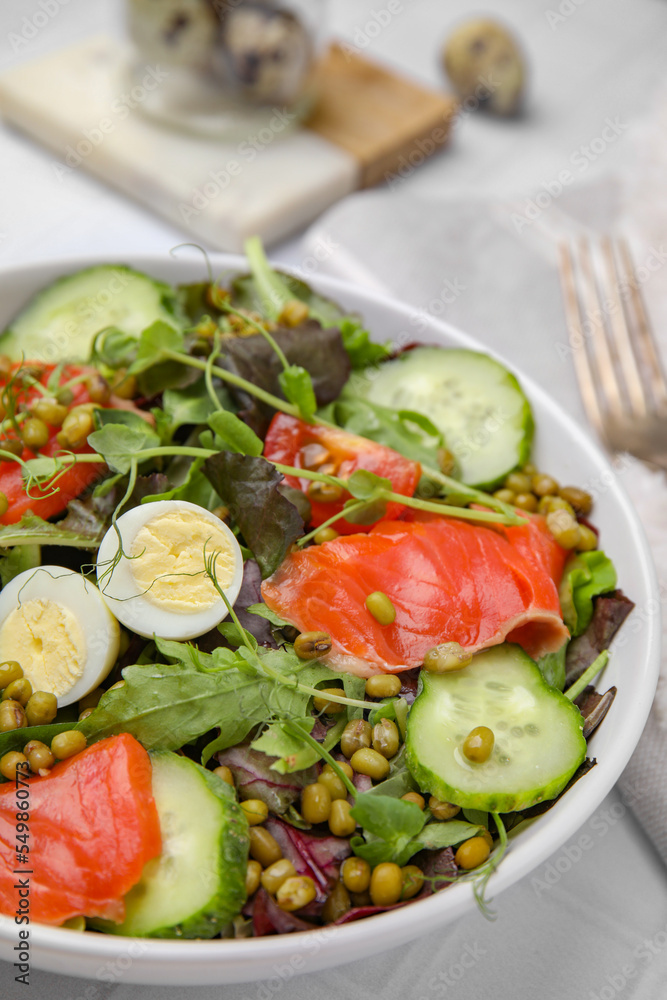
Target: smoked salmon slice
93, 825
447, 579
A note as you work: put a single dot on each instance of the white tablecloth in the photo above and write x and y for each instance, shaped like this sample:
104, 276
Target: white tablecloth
592, 922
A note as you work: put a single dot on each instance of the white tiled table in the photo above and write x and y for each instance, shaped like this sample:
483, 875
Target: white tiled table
592, 923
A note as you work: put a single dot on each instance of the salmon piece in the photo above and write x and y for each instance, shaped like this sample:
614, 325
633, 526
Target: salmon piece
448, 579
93, 826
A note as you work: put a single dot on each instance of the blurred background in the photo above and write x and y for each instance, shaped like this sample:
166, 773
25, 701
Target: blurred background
559, 130
587, 61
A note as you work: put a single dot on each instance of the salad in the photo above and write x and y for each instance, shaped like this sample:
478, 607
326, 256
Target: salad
292, 631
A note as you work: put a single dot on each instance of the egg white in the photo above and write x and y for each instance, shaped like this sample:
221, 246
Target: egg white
123, 595
84, 601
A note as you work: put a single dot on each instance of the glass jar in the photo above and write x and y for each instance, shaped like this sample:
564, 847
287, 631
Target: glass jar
223, 66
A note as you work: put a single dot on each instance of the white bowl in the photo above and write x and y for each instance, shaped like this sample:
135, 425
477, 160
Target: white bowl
566, 451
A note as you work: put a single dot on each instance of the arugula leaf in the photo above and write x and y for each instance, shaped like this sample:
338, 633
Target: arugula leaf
354, 687
16, 739
586, 575
283, 700
435, 836
233, 434
264, 612
166, 706
292, 754
297, 387
32, 530
19, 559
235, 636
271, 289
119, 442
248, 486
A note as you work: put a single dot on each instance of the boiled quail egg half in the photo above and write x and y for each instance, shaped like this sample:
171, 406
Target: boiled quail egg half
55, 624
151, 569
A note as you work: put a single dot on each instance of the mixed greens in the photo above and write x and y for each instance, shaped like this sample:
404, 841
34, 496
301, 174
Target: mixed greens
301, 774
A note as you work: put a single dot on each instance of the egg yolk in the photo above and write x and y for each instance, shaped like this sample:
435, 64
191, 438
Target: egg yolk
167, 561
47, 640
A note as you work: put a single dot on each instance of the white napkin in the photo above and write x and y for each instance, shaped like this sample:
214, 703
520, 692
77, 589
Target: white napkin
491, 269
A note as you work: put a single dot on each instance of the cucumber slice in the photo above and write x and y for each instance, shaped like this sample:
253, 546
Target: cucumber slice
538, 733
197, 884
60, 322
475, 402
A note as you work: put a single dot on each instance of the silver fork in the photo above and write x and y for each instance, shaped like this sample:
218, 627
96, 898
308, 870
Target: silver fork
621, 379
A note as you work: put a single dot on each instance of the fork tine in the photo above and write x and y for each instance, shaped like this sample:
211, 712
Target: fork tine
644, 331
600, 348
618, 324
582, 365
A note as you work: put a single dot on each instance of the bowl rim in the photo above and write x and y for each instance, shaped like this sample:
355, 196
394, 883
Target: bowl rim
248, 958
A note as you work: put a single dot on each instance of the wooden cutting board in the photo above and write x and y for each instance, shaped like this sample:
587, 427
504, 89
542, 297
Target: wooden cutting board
368, 123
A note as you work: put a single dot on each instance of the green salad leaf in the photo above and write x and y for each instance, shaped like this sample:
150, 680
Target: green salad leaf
292, 753
363, 353
552, 666
435, 836
33, 530
233, 434
153, 342
17, 560
390, 826
166, 706
586, 575
16, 739
190, 405
118, 442
407, 432
265, 612
297, 387
154, 365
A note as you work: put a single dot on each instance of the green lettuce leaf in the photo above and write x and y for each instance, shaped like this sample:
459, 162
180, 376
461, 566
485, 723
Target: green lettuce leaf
586, 575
